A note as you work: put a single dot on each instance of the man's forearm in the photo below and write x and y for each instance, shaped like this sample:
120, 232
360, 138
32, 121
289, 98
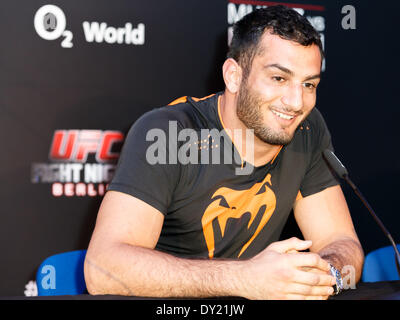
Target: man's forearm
344, 252
128, 270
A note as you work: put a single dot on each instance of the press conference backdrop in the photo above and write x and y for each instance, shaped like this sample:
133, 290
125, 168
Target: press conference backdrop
75, 75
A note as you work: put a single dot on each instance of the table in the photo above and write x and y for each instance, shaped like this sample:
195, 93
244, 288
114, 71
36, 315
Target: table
387, 290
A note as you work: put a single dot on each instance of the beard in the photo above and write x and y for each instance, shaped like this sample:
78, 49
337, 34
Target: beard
249, 111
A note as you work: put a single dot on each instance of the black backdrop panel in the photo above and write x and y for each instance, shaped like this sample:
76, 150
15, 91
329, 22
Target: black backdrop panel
75, 87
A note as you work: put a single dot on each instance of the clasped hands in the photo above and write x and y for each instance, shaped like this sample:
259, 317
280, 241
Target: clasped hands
283, 271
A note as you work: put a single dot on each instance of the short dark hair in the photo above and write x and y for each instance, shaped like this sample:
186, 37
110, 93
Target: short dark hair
279, 20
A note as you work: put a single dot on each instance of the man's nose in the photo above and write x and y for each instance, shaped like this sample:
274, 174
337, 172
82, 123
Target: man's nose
293, 97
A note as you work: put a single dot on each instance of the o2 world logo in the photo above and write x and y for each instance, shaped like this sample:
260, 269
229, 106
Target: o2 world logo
82, 162
50, 24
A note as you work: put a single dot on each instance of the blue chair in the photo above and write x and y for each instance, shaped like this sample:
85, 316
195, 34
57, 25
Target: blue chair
62, 274
380, 265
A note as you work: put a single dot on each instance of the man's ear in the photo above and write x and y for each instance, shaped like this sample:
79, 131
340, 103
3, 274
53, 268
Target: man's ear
232, 74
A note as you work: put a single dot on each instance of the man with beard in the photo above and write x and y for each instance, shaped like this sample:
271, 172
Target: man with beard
210, 229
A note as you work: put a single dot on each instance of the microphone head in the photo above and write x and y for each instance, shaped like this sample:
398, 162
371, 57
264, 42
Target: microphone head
335, 163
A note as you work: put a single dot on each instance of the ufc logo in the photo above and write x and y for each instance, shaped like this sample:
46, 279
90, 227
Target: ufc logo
76, 145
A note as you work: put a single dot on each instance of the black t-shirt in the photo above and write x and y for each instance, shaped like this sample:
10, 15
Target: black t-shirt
211, 210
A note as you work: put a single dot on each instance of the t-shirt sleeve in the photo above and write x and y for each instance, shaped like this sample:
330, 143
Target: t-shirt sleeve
143, 169
318, 175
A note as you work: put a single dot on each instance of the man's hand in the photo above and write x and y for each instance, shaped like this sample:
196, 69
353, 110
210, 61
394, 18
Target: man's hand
282, 272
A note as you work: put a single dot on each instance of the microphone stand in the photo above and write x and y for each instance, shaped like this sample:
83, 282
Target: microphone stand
341, 171
377, 220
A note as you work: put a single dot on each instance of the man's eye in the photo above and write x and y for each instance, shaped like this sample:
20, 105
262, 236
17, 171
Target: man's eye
309, 85
278, 79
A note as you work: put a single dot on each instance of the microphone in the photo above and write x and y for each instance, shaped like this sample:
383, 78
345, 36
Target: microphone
342, 172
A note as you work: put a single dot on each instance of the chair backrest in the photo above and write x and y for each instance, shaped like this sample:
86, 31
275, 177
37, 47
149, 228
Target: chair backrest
62, 274
380, 265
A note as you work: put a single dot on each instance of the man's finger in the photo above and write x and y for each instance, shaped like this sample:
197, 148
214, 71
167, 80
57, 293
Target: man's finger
297, 288
303, 297
313, 279
314, 270
290, 245
305, 259
317, 298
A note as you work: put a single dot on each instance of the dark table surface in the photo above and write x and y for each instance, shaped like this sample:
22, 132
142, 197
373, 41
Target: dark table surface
388, 290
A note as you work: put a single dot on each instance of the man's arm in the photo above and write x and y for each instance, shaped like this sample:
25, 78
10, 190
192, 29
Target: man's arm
325, 219
121, 260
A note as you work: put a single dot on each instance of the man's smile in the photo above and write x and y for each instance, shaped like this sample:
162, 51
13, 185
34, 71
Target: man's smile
283, 115
285, 119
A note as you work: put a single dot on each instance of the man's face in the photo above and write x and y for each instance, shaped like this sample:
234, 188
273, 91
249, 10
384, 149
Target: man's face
280, 90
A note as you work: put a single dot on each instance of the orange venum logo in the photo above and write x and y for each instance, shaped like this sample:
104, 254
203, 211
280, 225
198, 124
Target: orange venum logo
229, 203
